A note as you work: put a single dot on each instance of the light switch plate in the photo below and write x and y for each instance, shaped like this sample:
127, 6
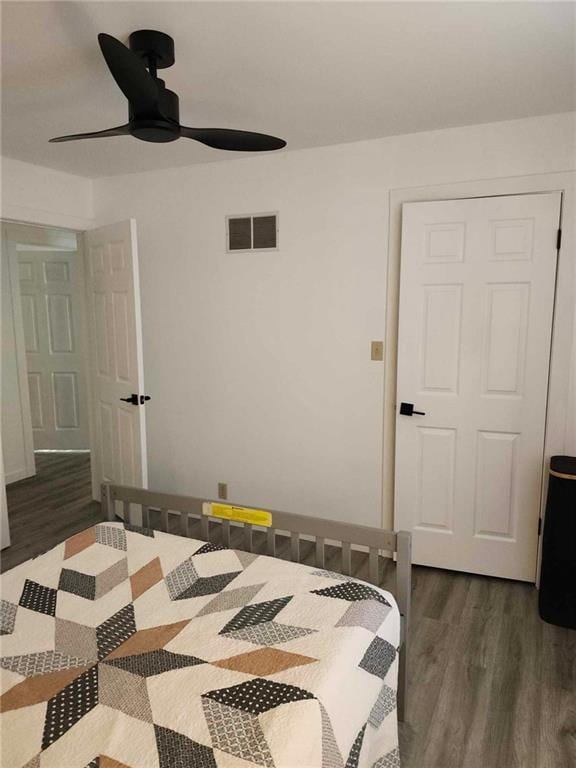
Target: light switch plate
377, 350
222, 490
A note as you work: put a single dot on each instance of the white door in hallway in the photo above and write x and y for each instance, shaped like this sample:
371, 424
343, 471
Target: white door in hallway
116, 366
476, 303
52, 299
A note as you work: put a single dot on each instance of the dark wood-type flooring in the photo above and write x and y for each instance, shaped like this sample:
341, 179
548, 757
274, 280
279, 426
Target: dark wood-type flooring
490, 684
51, 506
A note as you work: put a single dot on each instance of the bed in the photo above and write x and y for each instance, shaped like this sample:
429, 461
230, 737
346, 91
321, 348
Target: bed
130, 646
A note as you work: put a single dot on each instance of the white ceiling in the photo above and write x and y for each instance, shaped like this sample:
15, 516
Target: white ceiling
314, 73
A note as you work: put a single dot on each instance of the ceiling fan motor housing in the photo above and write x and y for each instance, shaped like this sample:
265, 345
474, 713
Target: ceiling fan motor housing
158, 129
148, 44
156, 49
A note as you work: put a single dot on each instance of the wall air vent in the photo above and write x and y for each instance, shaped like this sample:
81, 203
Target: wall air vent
257, 232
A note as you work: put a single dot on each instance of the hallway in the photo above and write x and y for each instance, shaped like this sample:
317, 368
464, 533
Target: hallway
51, 506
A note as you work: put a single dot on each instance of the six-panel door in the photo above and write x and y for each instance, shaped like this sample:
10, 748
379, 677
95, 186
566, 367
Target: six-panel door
118, 427
476, 304
52, 300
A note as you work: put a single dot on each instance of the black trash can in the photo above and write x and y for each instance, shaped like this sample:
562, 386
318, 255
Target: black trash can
557, 598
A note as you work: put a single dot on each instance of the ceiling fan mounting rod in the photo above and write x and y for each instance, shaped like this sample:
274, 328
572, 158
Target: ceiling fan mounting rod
152, 64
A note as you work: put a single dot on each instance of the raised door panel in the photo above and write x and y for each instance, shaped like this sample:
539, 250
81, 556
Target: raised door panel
26, 271
512, 239
506, 335
496, 474
126, 446
435, 468
60, 332
106, 419
56, 272
35, 387
122, 336
117, 255
65, 392
441, 338
30, 323
101, 334
97, 261
444, 242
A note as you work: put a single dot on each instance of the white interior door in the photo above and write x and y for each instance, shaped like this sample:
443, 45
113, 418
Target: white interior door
115, 335
476, 303
52, 299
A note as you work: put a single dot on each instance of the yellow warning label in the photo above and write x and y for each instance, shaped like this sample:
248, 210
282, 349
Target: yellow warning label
239, 514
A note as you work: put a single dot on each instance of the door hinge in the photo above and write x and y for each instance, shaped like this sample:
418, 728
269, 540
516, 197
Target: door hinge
539, 526
558, 239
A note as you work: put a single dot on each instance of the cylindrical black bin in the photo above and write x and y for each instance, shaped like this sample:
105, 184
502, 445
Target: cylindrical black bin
557, 598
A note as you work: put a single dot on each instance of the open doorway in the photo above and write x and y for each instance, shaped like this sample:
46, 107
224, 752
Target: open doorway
45, 415
72, 380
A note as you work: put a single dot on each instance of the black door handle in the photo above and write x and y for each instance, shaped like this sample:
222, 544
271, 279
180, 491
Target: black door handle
136, 399
407, 409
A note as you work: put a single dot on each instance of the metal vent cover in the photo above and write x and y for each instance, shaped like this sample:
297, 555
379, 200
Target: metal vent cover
256, 232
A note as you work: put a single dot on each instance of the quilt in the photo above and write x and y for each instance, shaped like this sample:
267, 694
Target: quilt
128, 647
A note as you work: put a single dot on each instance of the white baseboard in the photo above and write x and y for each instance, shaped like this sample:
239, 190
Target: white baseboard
19, 474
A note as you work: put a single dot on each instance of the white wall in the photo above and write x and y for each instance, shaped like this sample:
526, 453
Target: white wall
45, 196
259, 364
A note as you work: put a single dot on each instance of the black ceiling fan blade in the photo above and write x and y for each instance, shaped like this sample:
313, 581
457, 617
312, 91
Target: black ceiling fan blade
121, 130
131, 75
236, 141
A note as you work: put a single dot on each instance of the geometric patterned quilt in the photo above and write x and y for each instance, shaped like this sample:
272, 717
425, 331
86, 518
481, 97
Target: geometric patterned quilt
131, 647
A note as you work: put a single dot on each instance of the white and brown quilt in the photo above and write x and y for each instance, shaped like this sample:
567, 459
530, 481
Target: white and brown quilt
131, 647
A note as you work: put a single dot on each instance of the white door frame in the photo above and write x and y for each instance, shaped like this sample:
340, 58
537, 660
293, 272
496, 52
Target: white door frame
13, 290
53, 223
561, 411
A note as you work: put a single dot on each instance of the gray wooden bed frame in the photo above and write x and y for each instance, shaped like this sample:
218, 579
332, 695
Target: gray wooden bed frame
348, 534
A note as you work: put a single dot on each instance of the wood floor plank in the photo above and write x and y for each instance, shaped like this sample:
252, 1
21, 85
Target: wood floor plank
512, 733
455, 736
557, 727
490, 684
429, 652
558, 698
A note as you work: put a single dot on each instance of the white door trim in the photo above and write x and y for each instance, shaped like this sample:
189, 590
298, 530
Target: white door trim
44, 235
13, 279
561, 412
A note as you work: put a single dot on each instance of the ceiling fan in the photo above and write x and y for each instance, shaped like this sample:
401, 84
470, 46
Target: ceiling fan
153, 110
